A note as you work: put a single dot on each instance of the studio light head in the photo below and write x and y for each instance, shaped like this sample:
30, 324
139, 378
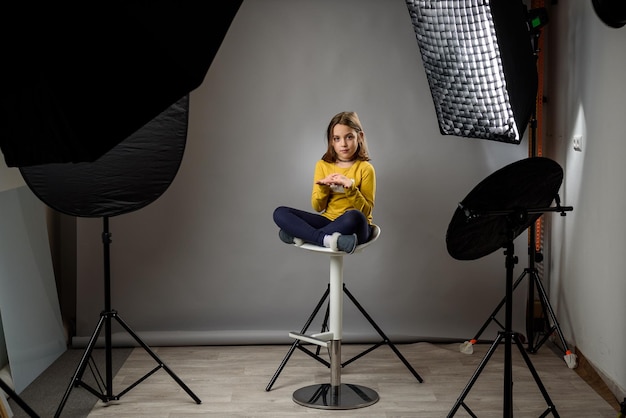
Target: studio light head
480, 65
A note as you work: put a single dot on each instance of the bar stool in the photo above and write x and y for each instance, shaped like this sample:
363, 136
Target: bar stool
335, 395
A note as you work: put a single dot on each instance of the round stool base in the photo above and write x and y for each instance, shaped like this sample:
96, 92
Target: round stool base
344, 396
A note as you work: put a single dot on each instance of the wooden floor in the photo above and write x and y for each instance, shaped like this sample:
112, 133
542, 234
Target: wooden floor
231, 381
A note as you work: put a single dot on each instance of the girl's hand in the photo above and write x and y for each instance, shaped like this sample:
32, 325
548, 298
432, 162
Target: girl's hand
336, 179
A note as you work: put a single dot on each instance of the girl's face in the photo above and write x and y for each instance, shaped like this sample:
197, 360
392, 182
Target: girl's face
345, 142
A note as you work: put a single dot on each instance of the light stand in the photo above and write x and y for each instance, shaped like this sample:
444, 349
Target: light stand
127, 178
105, 388
537, 19
475, 231
508, 337
535, 280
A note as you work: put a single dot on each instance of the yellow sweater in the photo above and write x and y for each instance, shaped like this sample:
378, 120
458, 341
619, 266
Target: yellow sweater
332, 202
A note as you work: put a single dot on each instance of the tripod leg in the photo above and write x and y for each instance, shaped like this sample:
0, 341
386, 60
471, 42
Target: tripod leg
78, 374
545, 303
551, 407
105, 319
467, 346
569, 357
382, 334
12, 395
474, 377
297, 342
158, 360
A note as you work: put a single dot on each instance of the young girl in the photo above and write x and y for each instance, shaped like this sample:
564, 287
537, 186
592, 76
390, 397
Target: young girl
343, 193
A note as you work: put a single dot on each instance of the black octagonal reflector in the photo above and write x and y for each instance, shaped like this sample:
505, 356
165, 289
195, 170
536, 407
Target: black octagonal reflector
79, 77
128, 177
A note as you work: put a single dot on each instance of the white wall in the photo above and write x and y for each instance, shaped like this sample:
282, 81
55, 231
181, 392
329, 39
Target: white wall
588, 268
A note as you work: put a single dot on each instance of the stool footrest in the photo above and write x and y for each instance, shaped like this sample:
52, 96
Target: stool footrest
322, 339
324, 336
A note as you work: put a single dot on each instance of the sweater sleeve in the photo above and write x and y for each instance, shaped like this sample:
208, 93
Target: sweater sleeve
363, 193
320, 193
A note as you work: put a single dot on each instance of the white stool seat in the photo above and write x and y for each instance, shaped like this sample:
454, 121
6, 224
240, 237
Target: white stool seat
359, 248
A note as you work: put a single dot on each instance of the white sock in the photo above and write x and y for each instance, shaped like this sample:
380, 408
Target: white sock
327, 240
330, 241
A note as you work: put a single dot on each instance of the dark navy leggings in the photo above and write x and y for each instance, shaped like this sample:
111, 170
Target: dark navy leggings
312, 227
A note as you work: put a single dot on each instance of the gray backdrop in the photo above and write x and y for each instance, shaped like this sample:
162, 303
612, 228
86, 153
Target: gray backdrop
203, 264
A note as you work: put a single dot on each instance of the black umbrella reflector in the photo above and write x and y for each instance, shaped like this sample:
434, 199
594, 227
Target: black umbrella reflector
502, 206
480, 65
130, 176
79, 77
